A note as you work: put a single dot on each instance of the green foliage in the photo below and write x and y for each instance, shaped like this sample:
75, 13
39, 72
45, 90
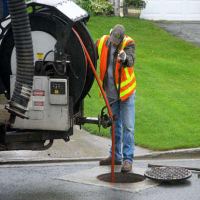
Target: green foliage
102, 7
86, 5
168, 86
97, 7
136, 3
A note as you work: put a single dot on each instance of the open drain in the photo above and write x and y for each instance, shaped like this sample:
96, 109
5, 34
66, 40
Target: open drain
122, 177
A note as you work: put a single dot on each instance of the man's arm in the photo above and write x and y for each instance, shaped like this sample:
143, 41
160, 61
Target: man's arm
130, 55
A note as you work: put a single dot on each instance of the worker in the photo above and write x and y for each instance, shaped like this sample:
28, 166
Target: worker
116, 52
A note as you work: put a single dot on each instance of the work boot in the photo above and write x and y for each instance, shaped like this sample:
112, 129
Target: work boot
126, 167
108, 161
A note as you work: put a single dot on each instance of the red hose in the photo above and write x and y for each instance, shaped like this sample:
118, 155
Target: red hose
106, 101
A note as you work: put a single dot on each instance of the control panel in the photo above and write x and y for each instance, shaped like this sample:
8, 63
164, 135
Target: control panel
48, 103
58, 91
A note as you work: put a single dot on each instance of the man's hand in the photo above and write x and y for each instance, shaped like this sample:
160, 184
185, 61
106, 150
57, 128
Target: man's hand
121, 56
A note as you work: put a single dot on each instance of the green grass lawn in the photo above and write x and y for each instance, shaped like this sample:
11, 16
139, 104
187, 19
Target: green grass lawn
168, 86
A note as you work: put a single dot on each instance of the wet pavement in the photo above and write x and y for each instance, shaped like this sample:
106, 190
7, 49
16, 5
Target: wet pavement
184, 30
70, 181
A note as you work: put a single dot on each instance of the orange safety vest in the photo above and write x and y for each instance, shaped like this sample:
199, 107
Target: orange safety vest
128, 80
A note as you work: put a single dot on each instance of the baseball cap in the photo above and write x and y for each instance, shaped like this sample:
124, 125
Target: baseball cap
117, 34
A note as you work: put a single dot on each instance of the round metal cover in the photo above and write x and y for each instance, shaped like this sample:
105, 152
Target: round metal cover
168, 174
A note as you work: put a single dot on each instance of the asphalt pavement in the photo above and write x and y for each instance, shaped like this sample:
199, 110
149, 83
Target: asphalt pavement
188, 31
72, 181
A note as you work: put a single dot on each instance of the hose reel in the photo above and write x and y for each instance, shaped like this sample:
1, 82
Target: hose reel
55, 21
62, 76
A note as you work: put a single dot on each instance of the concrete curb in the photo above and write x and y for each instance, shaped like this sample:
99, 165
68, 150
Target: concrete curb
175, 154
47, 160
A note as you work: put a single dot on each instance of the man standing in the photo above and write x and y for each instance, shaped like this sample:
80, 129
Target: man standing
117, 56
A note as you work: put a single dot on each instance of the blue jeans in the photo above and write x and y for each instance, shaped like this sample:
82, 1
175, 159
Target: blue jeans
126, 125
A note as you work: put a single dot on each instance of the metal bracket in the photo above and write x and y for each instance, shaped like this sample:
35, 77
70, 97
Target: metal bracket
63, 33
15, 113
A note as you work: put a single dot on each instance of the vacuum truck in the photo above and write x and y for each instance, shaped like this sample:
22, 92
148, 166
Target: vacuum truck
44, 72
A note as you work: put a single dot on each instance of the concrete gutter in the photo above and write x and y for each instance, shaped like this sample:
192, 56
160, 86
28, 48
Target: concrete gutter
175, 154
45, 160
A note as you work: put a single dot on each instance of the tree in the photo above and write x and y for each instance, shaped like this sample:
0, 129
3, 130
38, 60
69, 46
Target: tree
120, 8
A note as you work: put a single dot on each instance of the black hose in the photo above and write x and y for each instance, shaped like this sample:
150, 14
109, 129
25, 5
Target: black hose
24, 53
1, 9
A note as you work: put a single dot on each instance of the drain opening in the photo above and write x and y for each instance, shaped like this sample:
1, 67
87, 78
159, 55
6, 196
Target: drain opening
122, 177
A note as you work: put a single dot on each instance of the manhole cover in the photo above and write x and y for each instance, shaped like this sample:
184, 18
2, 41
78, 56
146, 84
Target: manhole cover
122, 177
168, 174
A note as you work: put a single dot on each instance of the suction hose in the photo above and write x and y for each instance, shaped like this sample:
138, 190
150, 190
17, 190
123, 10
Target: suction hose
24, 53
1, 9
106, 101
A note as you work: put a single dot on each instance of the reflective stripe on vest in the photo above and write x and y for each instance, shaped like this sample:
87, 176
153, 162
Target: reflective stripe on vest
130, 89
129, 78
125, 41
100, 45
126, 82
127, 73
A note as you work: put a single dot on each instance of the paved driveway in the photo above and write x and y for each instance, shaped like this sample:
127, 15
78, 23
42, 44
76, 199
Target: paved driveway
184, 30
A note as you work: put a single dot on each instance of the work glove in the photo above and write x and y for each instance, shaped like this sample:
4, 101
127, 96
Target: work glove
122, 56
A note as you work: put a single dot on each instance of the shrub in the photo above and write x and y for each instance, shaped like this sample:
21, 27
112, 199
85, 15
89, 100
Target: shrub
85, 4
97, 7
136, 3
